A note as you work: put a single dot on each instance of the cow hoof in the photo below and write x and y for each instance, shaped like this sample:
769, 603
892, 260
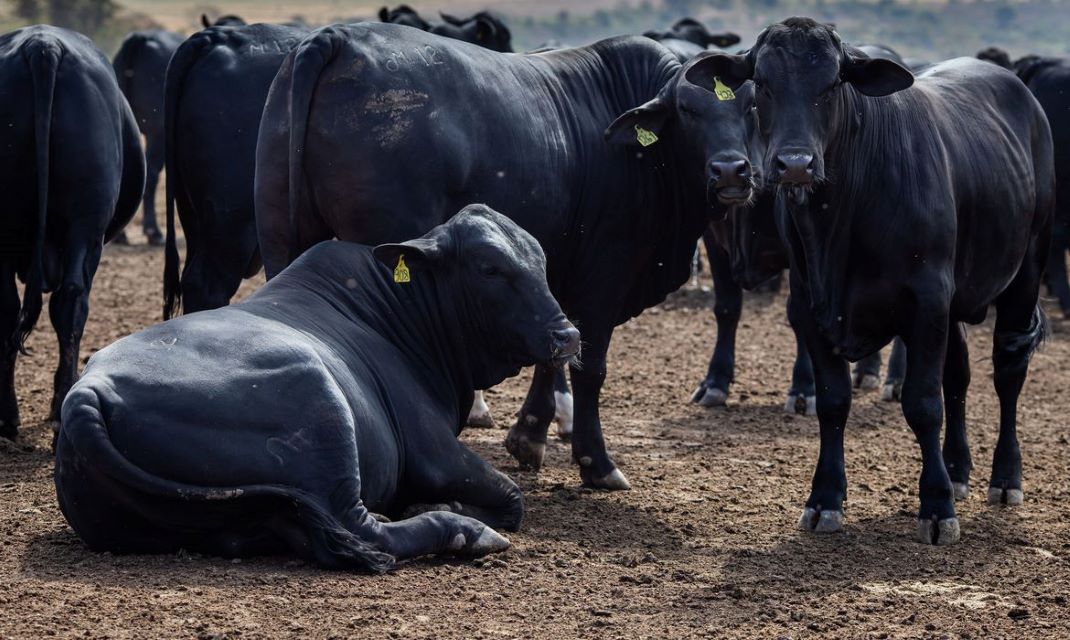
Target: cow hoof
940, 532
563, 414
892, 392
868, 382
1009, 497
612, 481
961, 489
489, 541
821, 521
711, 397
154, 237
120, 238
479, 415
526, 451
801, 404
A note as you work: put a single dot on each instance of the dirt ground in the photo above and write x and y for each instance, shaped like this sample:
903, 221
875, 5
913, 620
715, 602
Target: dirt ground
704, 545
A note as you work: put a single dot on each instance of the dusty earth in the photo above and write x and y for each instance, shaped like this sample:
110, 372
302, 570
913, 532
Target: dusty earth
704, 546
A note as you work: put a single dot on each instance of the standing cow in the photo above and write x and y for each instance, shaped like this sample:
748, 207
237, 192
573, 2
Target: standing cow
1049, 80
140, 67
215, 92
405, 126
71, 173
483, 28
907, 208
336, 390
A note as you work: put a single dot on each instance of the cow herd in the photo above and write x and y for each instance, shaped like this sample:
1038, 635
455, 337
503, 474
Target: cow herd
321, 414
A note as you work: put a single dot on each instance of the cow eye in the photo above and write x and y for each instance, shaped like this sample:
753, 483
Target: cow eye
487, 269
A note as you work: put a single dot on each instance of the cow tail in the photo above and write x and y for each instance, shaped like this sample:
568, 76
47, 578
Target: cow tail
43, 59
310, 57
84, 440
184, 58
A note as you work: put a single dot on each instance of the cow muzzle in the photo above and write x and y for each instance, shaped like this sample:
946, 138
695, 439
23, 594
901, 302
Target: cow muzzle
564, 346
732, 181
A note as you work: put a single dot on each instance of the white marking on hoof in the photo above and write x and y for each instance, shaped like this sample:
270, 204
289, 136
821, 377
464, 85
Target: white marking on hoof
961, 489
800, 404
1009, 497
563, 414
713, 397
869, 382
808, 519
479, 417
613, 481
891, 392
943, 532
811, 405
820, 521
458, 542
490, 541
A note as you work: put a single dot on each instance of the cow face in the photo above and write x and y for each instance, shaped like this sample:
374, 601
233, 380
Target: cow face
708, 123
694, 31
499, 273
804, 81
483, 29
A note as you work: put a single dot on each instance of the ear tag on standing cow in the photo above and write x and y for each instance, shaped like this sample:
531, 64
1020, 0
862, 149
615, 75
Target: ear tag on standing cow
401, 272
645, 136
722, 91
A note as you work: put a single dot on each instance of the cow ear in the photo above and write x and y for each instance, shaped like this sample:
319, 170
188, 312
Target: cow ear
731, 70
454, 20
641, 125
876, 77
418, 253
485, 29
205, 21
722, 40
384, 15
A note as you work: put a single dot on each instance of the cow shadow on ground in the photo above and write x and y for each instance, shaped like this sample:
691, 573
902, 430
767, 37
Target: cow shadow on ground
25, 457
702, 297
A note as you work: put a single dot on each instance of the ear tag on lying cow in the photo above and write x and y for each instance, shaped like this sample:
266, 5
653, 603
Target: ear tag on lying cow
722, 91
401, 272
645, 136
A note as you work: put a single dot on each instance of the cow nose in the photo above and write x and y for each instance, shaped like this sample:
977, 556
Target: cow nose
565, 341
795, 168
731, 172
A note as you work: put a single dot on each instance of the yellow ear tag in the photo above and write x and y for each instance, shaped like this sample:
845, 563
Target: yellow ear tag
401, 272
722, 91
645, 136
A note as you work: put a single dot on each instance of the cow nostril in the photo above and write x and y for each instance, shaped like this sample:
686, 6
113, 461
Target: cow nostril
743, 169
565, 338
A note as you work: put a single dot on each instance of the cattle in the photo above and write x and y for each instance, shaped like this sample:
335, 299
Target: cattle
688, 36
187, 435
1049, 80
215, 91
140, 67
229, 20
72, 172
405, 125
483, 28
907, 207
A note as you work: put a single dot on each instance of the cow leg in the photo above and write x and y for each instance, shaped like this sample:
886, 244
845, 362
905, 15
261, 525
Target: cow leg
154, 157
527, 437
867, 373
1056, 269
450, 477
824, 508
923, 410
1020, 326
588, 446
9, 316
563, 406
727, 307
69, 309
479, 416
802, 396
956, 382
897, 371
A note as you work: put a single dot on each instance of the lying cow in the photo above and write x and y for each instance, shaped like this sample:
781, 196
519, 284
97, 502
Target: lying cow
1049, 80
336, 390
140, 67
71, 174
907, 208
406, 124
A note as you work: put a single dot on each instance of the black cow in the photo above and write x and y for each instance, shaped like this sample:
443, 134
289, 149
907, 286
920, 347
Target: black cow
1049, 80
215, 92
483, 28
907, 208
72, 172
405, 125
140, 67
694, 32
336, 390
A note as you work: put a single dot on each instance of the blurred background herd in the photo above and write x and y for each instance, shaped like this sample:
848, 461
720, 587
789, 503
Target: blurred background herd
926, 29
